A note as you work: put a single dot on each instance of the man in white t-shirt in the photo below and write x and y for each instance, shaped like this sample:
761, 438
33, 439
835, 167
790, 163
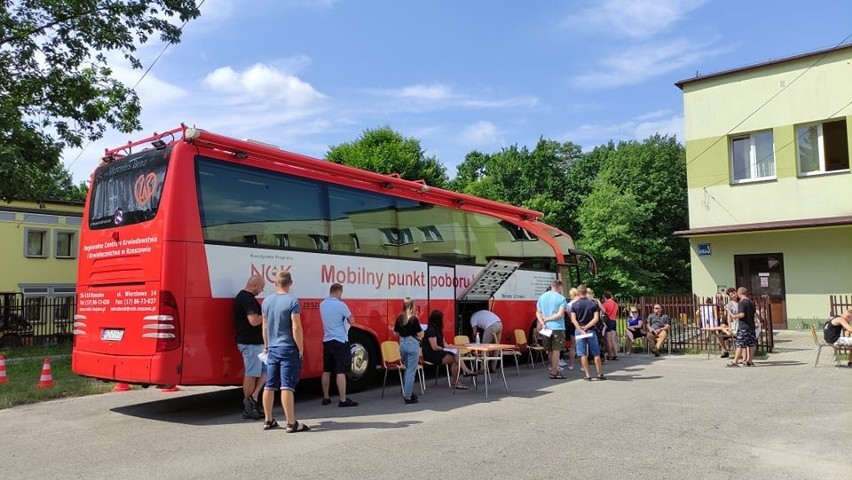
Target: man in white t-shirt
490, 325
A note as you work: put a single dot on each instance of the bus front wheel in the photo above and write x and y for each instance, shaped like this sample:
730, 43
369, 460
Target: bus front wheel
365, 360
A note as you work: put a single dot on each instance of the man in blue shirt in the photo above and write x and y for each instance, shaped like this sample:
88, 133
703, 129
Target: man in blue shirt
336, 356
283, 340
585, 314
550, 313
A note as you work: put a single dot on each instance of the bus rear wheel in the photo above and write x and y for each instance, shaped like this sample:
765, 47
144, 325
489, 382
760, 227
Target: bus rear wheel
365, 360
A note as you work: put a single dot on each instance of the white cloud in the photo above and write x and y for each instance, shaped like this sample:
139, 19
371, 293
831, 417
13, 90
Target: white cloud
639, 63
263, 83
481, 133
632, 18
439, 96
637, 128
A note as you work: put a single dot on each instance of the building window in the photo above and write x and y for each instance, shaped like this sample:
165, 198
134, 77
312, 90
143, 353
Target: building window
752, 157
822, 147
66, 244
35, 244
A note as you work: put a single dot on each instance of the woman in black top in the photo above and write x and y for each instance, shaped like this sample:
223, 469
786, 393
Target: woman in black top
407, 326
433, 349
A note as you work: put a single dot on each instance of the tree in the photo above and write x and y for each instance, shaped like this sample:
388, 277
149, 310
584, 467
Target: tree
385, 151
56, 89
532, 179
610, 221
651, 174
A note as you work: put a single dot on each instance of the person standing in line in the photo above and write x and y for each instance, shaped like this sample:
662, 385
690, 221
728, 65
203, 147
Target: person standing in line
731, 310
610, 307
550, 313
407, 326
569, 331
284, 343
249, 338
336, 356
585, 314
746, 337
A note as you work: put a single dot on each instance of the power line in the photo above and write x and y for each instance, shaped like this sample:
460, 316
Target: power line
144, 74
760, 107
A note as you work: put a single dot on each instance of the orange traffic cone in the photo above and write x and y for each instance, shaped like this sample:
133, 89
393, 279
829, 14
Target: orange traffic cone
3, 377
170, 389
121, 387
46, 380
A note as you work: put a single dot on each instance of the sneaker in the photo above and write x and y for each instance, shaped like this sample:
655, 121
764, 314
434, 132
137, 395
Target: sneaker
570, 367
409, 401
656, 353
258, 406
560, 369
326, 401
250, 410
563, 363
725, 355
347, 403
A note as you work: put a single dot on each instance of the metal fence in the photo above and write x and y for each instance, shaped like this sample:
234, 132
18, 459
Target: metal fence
35, 321
685, 334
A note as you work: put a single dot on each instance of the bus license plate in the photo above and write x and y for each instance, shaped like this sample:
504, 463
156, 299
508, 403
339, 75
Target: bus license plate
112, 334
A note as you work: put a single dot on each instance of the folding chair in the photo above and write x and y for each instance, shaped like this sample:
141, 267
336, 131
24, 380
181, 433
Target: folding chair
391, 360
820, 345
522, 345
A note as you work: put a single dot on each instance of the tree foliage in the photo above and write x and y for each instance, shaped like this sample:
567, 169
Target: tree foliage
56, 88
529, 178
651, 176
383, 150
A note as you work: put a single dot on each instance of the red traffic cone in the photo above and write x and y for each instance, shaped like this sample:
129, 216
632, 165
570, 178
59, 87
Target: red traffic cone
3, 377
170, 389
46, 380
121, 387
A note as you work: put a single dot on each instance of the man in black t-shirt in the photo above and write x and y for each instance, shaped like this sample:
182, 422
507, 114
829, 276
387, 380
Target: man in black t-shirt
834, 328
746, 337
249, 338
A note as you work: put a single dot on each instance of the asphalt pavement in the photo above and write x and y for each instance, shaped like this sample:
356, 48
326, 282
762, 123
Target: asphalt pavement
679, 416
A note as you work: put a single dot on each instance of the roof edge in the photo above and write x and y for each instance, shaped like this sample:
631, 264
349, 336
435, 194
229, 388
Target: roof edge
766, 226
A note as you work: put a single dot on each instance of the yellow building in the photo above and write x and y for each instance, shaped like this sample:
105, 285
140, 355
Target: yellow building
770, 189
39, 254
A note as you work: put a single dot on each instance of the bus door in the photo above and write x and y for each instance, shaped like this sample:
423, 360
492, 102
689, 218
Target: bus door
481, 290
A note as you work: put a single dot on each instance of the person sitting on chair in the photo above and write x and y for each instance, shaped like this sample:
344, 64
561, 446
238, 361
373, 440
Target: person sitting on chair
658, 328
635, 329
833, 329
433, 349
706, 318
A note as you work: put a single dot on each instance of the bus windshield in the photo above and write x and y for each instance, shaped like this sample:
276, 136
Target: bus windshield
128, 190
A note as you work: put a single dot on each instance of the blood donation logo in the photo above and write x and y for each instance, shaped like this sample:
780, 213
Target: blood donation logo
145, 187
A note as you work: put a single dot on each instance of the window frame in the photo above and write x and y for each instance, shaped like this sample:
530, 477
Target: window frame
45, 241
820, 149
72, 244
753, 160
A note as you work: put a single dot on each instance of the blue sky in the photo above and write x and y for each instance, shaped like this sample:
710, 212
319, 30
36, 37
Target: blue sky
457, 75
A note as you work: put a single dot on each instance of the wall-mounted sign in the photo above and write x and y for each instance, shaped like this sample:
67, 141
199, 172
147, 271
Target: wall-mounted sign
704, 249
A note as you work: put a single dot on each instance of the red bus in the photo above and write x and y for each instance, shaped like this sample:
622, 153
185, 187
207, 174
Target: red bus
171, 233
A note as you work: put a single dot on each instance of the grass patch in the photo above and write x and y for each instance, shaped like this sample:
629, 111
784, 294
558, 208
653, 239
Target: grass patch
36, 352
24, 375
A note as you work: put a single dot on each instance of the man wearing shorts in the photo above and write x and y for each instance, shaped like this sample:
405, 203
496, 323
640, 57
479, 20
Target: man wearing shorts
283, 338
247, 321
585, 314
336, 356
550, 313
